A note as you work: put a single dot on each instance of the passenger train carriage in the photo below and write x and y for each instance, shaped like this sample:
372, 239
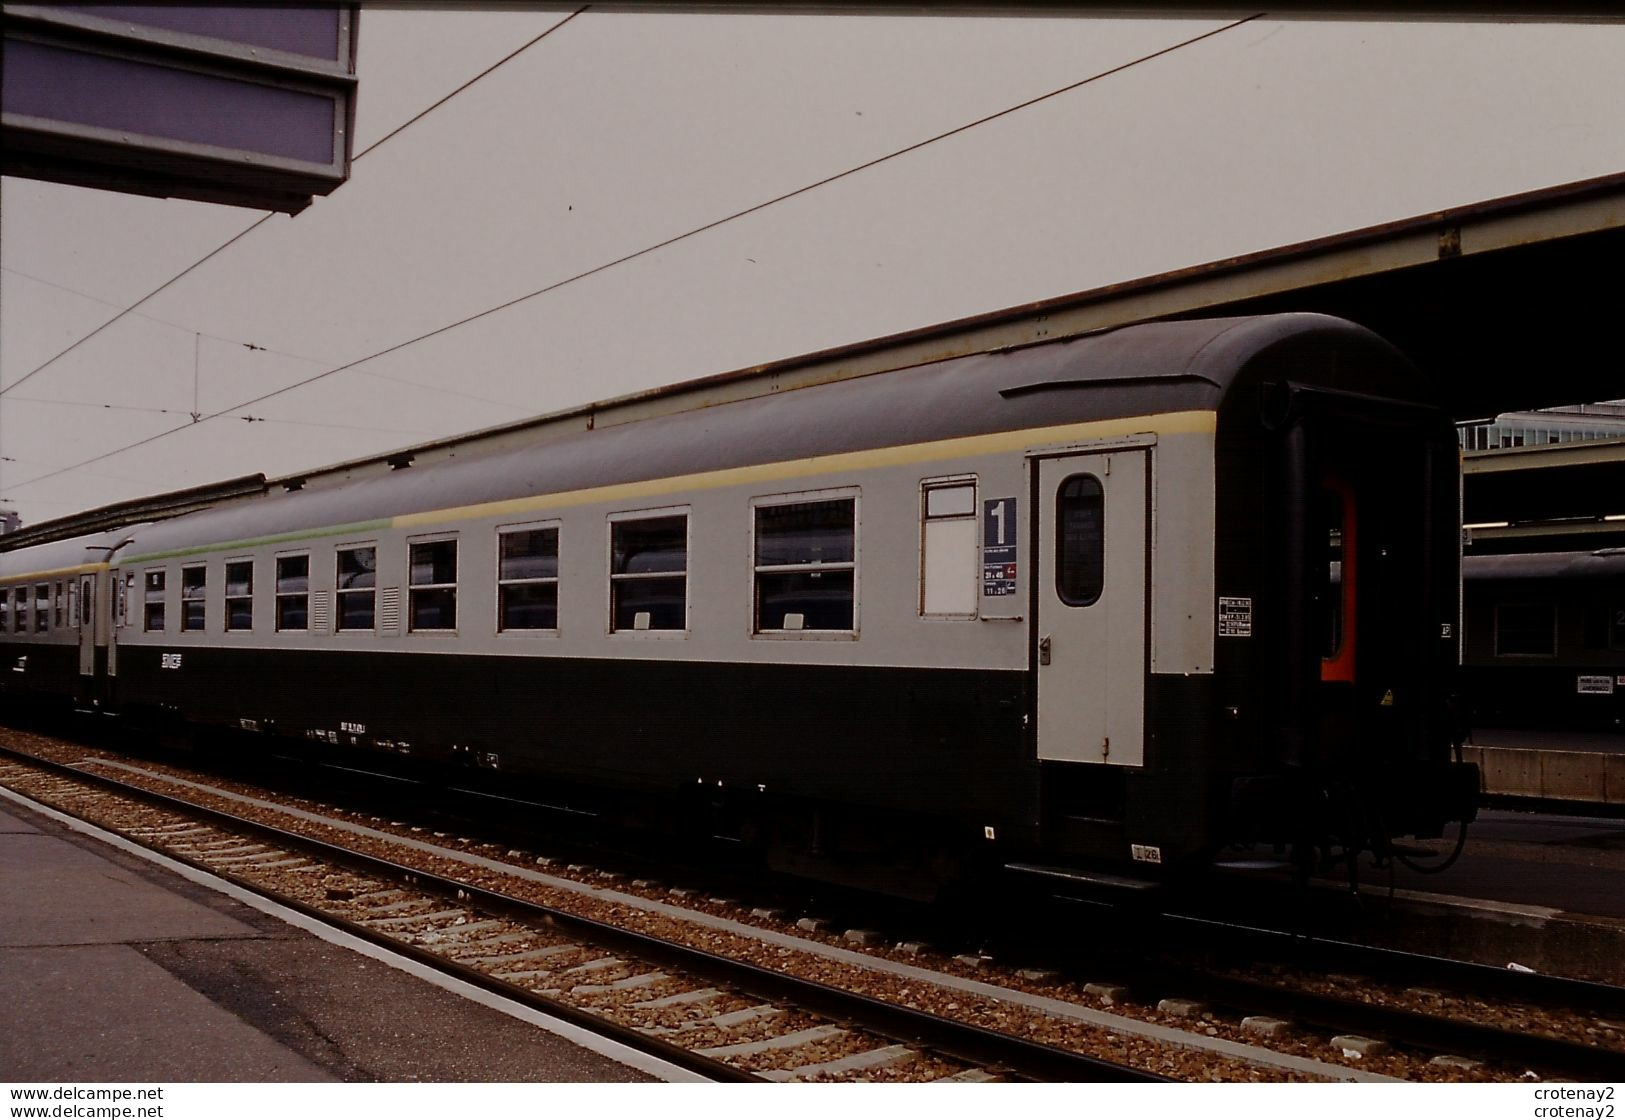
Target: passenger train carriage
1123, 599
1545, 640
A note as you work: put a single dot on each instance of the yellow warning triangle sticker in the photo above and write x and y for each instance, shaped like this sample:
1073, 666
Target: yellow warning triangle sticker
1388, 698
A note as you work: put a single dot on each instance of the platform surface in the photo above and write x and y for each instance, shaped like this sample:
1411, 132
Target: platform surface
1570, 864
117, 970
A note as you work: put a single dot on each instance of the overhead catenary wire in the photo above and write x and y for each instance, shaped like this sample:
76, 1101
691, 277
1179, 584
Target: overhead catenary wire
109, 406
235, 238
305, 358
680, 237
229, 242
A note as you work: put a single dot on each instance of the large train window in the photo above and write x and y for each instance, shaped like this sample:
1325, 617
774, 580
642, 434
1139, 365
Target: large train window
356, 578
194, 588
528, 578
948, 555
806, 566
152, 601
1525, 630
648, 572
432, 585
1080, 543
240, 595
293, 592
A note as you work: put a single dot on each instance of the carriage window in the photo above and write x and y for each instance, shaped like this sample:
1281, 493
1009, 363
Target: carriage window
528, 579
293, 592
948, 569
42, 608
433, 586
357, 582
5, 611
56, 605
1525, 630
1619, 627
152, 607
1080, 546
806, 566
194, 585
19, 610
648, 573
240, 595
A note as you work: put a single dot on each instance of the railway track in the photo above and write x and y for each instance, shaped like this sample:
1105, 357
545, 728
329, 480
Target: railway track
1461, 1015
1438, 983
676, 1002
1189, 1002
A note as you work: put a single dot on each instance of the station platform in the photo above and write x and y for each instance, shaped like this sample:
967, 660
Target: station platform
1578, 766
116, 969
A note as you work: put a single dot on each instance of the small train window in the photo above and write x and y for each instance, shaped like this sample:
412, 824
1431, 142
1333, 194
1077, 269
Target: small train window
356, 578
528, 579
240, 595
1080, 542
5, 611
293, 592
56, 605
194, 587
948, 554
432, 586
806, 566
152, 601
648, 573
1525, 630
42, 608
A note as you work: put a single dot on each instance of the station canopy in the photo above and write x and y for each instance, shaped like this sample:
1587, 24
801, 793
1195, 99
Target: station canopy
246, 105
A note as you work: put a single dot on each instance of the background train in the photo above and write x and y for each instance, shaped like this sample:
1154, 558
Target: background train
1545, 640
1119, 600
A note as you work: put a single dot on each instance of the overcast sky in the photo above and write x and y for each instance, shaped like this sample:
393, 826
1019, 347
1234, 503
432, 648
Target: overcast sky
620, 131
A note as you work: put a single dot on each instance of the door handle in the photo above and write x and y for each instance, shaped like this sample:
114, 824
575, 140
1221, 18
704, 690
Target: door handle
1043, 650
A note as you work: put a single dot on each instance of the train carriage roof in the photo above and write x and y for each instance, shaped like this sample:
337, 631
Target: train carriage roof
62, 557
1141, 370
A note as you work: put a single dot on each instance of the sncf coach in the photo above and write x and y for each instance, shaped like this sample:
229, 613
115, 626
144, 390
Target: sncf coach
1124, 600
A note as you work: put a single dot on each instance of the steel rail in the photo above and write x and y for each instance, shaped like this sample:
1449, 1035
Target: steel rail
1437, 1033
684, 1059
1018, 1057
1334, 954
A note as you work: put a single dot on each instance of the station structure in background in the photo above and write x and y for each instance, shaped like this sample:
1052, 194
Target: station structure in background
1551, 480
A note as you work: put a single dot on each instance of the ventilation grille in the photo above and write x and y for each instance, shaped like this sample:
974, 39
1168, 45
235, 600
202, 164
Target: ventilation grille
389, 610
321, 612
